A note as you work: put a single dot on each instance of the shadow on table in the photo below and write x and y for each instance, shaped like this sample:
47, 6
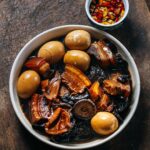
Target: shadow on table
133, 35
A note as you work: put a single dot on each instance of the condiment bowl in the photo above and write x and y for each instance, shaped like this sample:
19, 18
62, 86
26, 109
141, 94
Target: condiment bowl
106, 26
53, 34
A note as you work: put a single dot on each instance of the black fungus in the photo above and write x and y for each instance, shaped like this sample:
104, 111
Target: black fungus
66, 99
121, 63
77, 97
49, 74
63, 105
39, 127
118, 116
120, 102
112, 46
72, 99
80, 132
120, 66
70, 102
120, 106
96, 73
123, 78
59, 66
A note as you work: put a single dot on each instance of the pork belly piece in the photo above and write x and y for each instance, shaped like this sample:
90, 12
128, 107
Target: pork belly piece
75, 80
39, 109
113, 87
102, 53
59, 122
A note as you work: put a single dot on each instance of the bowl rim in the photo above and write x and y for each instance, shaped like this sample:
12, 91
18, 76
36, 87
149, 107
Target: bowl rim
87, 3
32, 131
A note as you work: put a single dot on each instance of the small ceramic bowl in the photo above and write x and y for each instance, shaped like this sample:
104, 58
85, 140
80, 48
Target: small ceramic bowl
53, 34
103, 26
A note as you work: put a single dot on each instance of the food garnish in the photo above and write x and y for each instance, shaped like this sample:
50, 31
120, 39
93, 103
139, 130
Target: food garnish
107, 11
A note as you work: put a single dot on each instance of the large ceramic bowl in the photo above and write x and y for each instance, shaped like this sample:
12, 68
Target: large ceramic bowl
58, 32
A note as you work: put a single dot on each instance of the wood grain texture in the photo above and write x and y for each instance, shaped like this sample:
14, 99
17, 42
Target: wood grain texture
20, 20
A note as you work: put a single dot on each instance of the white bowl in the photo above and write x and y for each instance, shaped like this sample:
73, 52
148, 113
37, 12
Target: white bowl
87, 9
52, 34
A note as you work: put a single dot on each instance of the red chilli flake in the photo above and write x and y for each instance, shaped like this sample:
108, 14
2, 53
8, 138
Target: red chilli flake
107, 11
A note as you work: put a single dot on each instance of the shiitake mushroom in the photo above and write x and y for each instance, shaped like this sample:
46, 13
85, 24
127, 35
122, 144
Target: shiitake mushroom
84, 109
78, 39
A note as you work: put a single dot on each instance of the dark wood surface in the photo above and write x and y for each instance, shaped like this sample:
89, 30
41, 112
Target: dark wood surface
20, 20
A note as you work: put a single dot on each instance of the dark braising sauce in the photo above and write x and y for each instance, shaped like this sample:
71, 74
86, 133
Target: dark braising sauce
81, 130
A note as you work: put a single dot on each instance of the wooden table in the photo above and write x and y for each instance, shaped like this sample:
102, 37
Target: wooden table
20, 20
